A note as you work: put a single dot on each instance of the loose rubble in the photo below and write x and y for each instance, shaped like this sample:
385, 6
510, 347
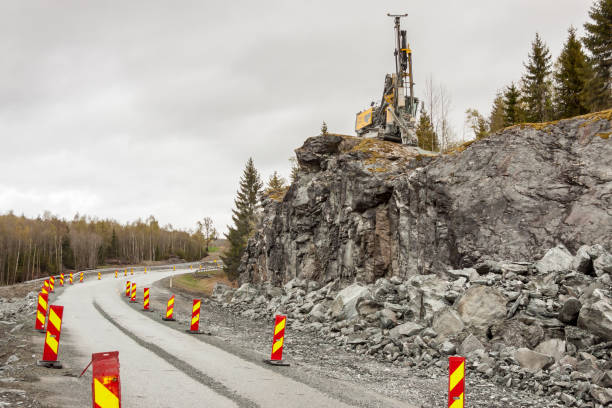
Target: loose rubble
543, 327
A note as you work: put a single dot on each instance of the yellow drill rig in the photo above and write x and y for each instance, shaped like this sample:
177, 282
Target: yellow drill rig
394, 118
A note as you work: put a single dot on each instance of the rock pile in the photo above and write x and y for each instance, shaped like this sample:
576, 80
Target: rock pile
543, 326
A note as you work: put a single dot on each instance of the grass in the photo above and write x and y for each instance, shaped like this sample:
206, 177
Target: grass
212, 249
201, 282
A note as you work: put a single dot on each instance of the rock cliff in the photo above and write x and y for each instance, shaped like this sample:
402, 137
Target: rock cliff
362, 209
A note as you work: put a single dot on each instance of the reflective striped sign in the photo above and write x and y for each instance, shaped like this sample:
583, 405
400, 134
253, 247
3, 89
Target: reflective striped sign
456, 382
195, 315
41, 311
146, 299
54, 328
279, 337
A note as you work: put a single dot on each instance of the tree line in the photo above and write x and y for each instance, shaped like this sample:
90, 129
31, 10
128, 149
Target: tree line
579, 81
35, 247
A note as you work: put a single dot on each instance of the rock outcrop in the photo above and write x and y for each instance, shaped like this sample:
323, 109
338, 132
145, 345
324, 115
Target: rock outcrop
362, 209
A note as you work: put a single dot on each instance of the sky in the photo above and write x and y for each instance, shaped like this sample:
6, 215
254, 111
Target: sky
123, 109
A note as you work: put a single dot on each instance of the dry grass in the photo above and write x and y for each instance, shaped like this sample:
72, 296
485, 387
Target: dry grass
201, 282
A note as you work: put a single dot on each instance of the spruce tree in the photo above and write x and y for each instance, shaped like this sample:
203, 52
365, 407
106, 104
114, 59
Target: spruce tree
477, 123
598, 41
324, 129
114, 246
244, 217
570, 80
536, 83
496, 118
295, 168
512, 108
426, 136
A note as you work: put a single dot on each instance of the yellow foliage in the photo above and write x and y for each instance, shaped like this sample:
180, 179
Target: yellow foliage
604, 135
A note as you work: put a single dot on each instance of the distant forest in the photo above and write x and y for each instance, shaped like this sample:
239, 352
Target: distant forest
32, 248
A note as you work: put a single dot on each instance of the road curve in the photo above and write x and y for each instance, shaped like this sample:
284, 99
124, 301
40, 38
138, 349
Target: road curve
161, 367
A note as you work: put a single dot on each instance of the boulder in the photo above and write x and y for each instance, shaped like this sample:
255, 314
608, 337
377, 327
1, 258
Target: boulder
557, 259
600, 394
407, 329
597, 318
532, 360
387, 319
481, 306
582, 261
569, 311
245, 293
470, 344
552, 347
447, 323
603, 264
344, 306
367, 306
318, 312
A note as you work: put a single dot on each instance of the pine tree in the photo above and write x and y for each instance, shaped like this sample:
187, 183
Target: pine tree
477, 123
324, 129
426, 136
513, 113
276, 186
570, 81
598, 41
536, 83
67, 254
496, 118
114, 246
244, 217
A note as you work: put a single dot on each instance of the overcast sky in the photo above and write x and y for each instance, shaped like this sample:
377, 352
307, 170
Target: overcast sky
122, 109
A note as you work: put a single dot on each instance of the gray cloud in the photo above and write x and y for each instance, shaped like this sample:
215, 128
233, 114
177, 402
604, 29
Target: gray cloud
125, 109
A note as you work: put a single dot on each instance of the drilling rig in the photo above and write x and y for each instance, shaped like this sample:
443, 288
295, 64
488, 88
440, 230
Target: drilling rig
394, 119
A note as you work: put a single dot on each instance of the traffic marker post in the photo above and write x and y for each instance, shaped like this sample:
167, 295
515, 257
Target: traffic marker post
99, 276
41, 312
51, 283
116, 272
195, 318
132, 271
276, 358
106, 383
170, 310
70, 278
145, 270
61, 280
51, 347
127, 289
125, 273
145, 302
456, 382
133, 291
45, 286
81, 278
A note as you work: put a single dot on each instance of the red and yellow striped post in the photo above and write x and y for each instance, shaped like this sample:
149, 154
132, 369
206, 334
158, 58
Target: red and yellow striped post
131, 271
195, 315
99, 276
51, 283
170, 310
81, 278
125, 272
70, 278
456, 382
41, 312
105, 384
133, 291
145, 270
127, 289
54, 328
45, 286
116, 273
276, 358
145, 302
61, 281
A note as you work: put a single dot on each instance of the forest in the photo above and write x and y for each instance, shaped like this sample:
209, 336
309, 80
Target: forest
32, 248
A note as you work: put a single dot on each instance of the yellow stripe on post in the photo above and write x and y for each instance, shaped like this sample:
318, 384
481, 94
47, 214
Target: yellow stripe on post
171, 302
54, 319
52, 342
458, 403
279, 326
277, 345
456, 376
195, 307
40, 317
195, 319
103, 397
42, 302
169, 312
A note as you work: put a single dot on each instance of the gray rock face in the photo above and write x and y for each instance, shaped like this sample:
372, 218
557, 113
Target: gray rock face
481, 306
407, 329
532, 360
471, 343
597, 318
364, 209
447, 322
603, 264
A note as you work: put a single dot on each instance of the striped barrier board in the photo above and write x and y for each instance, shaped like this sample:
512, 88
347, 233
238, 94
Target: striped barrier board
52, 339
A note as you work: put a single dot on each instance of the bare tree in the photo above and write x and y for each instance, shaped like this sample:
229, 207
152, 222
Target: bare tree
208, 231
